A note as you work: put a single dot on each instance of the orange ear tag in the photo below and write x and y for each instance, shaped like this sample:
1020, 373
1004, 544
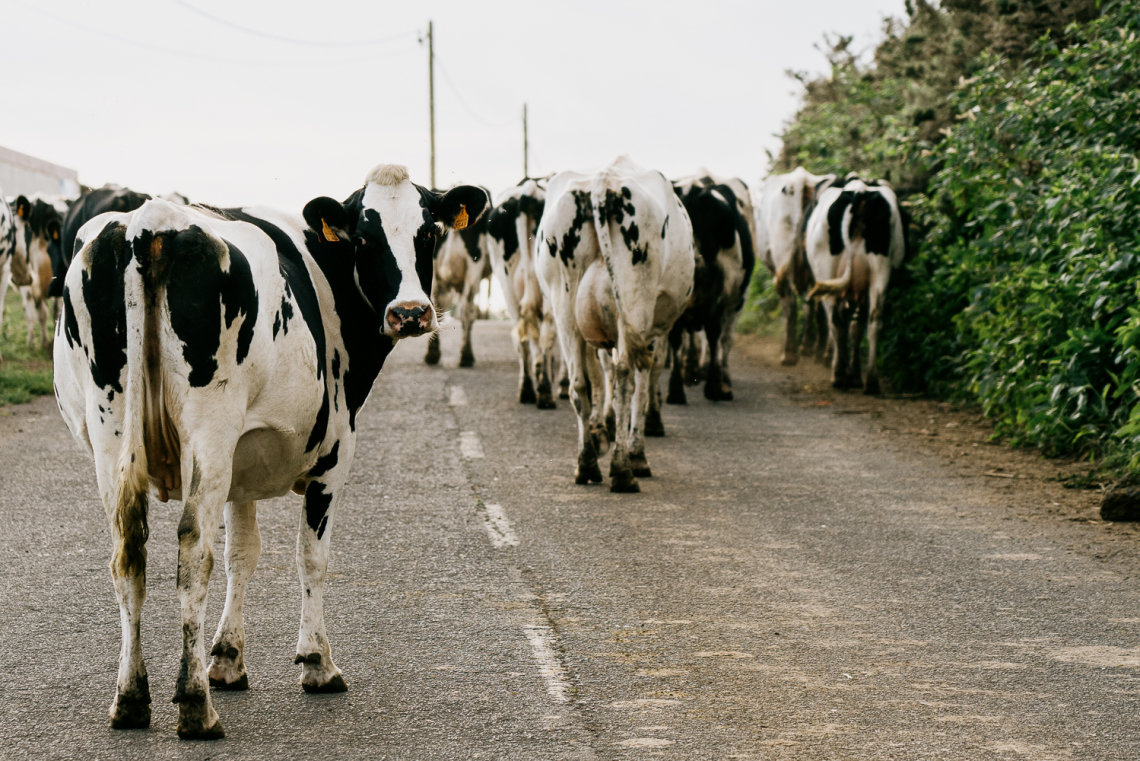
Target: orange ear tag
330, 236
460, 218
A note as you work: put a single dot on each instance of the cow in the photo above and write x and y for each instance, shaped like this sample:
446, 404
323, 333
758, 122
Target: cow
8, 259
854, 238
221, 357
38, 220
721, 214
461, 265
615, 259
782, 206
511, 229
86, 207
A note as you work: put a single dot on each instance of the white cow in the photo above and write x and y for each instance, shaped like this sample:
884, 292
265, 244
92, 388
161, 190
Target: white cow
511, 229
461, 264
615, 258
781, 206
854, 238
220, 357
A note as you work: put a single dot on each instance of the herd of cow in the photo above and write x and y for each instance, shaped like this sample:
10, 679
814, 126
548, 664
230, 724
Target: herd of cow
220, 356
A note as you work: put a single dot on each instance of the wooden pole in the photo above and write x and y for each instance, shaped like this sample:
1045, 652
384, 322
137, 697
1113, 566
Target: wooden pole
431, 99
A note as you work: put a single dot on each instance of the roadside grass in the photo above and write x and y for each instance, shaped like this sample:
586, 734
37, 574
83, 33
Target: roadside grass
25, 371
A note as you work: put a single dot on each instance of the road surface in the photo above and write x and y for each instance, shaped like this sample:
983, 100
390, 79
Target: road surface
790, 584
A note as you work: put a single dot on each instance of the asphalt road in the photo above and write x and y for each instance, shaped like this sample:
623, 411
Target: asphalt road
789, 585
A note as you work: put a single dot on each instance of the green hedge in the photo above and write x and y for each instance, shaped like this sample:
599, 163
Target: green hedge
1024, 296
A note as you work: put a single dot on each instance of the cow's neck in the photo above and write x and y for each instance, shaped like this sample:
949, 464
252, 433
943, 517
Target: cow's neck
367, 347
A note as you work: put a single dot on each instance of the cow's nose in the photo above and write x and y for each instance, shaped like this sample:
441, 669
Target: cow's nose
410, 319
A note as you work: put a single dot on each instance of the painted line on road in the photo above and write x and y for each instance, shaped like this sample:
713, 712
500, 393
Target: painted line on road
498, 527
456, 396
542, 642
470, 447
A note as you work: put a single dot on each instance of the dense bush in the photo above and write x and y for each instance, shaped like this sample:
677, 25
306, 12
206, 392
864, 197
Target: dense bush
1024, 178
1030, 261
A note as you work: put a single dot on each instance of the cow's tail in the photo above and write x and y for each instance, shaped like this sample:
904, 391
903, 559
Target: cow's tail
841, 237
150, 445
530, 300
607, 203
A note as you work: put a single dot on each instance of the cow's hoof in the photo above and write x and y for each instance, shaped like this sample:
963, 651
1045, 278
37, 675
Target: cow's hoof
676, 396
714, 394
871, 388
526, 394
640, 466
130, 712
564, 389
236, 685
212, 732
545, 402
588, 472
197, 720
466, 359
624, 482
789, 358
654, 426
432, 358
334, 684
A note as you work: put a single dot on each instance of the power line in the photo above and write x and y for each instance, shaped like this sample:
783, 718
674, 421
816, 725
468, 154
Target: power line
470, 111
292, 40
196, 54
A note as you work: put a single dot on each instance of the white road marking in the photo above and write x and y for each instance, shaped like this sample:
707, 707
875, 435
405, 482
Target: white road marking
542, 646
470, 447
498, 527
456, 396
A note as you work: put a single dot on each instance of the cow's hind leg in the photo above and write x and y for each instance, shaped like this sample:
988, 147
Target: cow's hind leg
209, 480
622, 478
654, 425
243, 546
639, 407
131, 707
467, 312
318, 672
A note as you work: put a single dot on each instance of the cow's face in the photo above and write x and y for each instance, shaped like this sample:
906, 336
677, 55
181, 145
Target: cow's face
38, 225
392, 226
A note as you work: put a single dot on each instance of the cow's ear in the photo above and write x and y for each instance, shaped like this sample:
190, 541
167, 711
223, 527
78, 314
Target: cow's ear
23, 207
461, 206
328, 218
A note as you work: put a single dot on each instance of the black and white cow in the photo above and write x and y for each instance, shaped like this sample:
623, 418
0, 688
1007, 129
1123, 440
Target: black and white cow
511, 229
221, 357
855, 236
615, 259
86, 207
461, 265
782, 206
7, 257
38, 220
721, 214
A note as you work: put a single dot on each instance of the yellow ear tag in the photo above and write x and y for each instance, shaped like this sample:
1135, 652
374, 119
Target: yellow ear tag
330, 236
460, 218
55, 234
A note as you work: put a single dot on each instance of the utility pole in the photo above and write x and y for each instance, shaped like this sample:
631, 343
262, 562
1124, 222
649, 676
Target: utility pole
526, 149
431, 99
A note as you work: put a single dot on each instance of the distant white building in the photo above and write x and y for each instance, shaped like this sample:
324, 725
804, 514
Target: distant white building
21, 174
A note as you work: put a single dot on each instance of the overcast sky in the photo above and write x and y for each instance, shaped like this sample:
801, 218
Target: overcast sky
244, 101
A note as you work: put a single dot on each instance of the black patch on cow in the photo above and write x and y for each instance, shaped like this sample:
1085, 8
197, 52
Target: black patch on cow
43, 221
103, 297
713, 215
276, 324
321, 424
583, 215
317, 503
877, 224
197, 313
470, 236
501, 226
87, 207
835, 221
69, 322
325, 463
